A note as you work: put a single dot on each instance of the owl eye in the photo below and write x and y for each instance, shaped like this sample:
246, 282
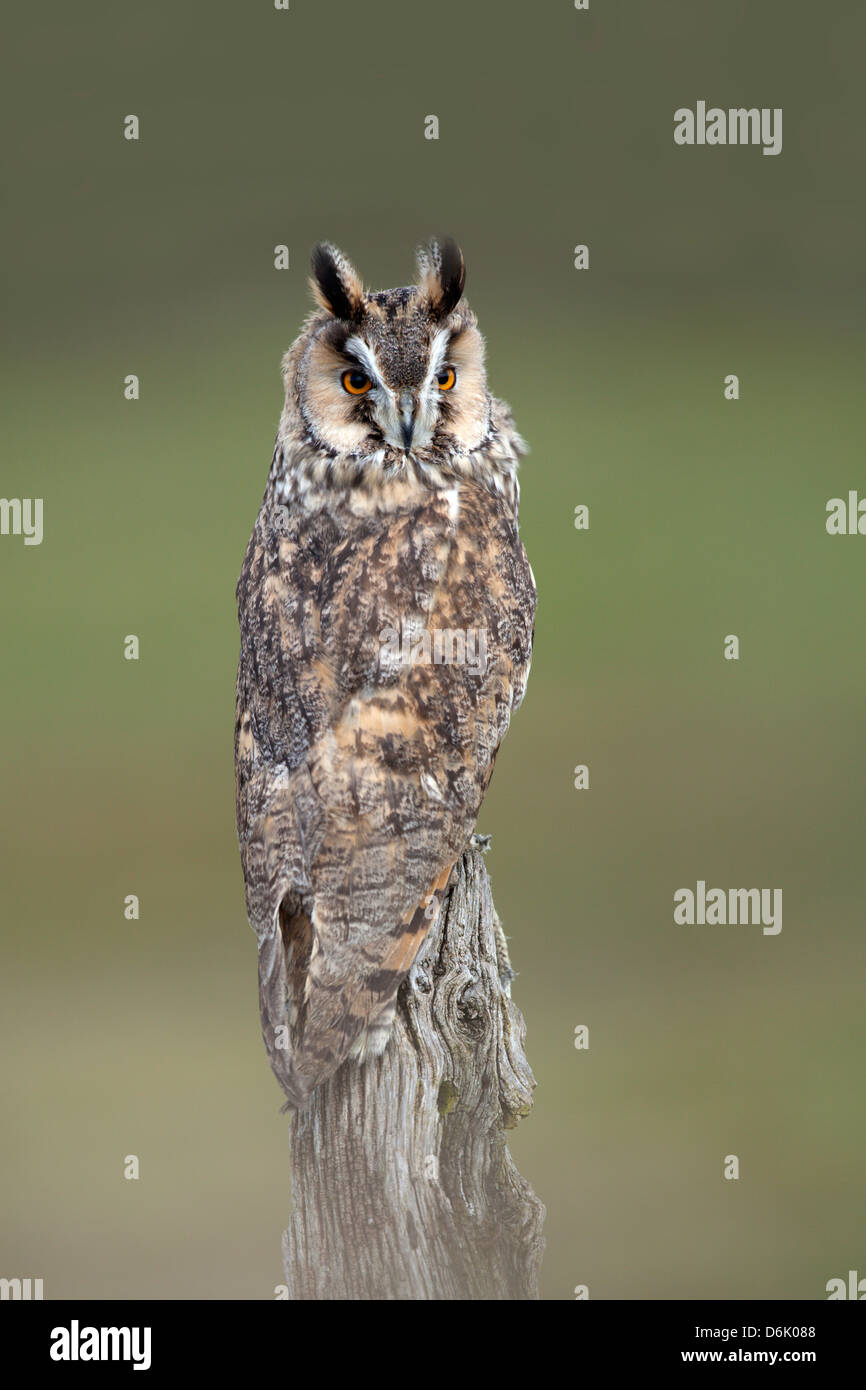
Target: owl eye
446, 378
355, 382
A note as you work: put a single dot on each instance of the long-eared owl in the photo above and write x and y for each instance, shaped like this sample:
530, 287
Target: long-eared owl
386, 611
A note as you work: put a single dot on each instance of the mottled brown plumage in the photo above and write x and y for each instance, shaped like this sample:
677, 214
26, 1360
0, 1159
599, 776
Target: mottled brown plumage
367, 720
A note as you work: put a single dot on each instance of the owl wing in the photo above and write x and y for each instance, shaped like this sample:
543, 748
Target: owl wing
364, 748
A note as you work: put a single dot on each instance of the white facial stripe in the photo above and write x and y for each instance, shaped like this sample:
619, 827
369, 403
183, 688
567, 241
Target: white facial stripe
438, 348
360, 349
428, 396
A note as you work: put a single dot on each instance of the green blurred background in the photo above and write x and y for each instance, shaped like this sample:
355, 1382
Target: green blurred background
707, 518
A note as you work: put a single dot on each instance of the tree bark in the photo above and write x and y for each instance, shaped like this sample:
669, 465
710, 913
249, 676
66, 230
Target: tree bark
402, 1183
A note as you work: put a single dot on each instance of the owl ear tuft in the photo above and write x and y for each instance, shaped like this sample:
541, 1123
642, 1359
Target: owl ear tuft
336, 283
442, 274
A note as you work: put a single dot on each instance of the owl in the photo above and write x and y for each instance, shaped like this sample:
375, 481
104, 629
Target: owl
386, 611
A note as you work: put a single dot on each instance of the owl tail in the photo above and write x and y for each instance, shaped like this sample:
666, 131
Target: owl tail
314, 1015
307, 1030
283, 961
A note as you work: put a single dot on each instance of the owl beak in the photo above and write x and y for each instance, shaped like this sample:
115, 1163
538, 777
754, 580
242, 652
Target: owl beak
407, 418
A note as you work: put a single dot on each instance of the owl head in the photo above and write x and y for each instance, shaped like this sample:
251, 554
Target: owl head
391, 374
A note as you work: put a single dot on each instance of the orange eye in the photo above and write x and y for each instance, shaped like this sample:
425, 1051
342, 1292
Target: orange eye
355, 382
446, 378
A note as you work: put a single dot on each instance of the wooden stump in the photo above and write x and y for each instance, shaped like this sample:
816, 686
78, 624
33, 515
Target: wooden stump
402, 1184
